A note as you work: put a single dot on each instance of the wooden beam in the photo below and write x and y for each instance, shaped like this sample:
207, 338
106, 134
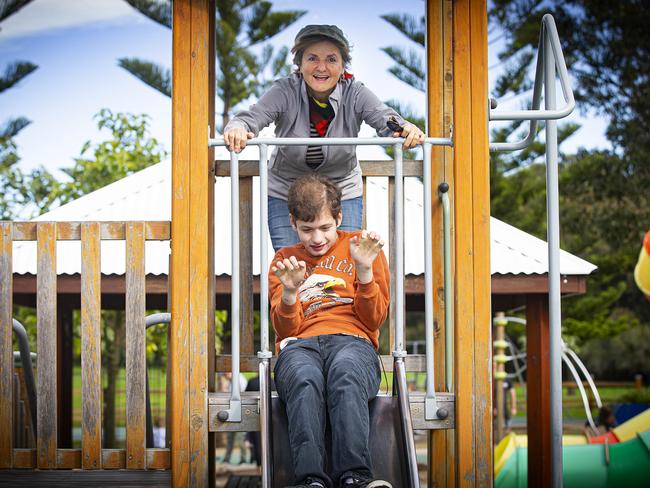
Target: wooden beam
439, 107
135, 347
46, 343
192, 292
538, 400
91, 366
6, 348
471, 217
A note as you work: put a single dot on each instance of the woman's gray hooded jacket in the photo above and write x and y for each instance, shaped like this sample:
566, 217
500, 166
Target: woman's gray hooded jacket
286, 103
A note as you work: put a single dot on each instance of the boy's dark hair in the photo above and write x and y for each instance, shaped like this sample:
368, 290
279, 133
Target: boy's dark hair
310, 194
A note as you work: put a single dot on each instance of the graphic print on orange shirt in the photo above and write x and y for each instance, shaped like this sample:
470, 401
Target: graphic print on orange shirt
318, 291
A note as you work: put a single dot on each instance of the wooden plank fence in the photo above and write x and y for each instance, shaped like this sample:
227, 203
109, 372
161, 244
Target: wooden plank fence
47, 455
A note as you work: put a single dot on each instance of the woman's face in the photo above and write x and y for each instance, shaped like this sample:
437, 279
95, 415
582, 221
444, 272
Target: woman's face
321, 68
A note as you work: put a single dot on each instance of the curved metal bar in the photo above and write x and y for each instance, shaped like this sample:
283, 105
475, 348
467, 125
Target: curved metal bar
150, 321
406, 423
443, 190
583, 394
549, 42
26, 360
588, 377
331, 141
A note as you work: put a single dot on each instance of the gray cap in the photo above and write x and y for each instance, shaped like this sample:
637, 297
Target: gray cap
331, 31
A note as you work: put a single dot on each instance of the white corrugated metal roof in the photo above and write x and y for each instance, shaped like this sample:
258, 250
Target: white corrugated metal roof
146, 195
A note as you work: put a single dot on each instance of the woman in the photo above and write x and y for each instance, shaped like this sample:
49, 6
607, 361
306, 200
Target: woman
321, 99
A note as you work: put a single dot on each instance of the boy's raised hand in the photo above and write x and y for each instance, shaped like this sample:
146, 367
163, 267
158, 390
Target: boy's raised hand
364, 249
290, 272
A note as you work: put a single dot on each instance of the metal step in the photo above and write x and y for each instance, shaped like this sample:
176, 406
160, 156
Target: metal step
251, 412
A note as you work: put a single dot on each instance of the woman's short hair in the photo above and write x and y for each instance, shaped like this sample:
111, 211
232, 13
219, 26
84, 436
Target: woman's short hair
310, 194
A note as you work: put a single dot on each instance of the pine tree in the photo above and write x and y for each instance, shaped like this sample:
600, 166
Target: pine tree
240, 26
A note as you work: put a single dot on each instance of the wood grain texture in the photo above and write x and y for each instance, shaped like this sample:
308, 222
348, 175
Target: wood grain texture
463, 214
46, 345
135, 346
180, 270
91, 395
440, 82
481, 245
6, 354
71, 231
538, 400
247, 337
201, 284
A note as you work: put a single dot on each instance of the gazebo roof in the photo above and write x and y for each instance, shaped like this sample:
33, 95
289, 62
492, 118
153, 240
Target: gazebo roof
146, 195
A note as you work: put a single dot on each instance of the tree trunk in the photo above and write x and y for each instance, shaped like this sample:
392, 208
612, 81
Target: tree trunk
113, 353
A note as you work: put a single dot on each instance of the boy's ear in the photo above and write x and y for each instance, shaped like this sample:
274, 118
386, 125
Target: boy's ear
339, 219
293, 222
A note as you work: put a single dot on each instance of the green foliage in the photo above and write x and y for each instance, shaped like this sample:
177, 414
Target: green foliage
11, 179
14, 72
157, 77
636, 396
10, 7
129, 149
621, 356
240, 26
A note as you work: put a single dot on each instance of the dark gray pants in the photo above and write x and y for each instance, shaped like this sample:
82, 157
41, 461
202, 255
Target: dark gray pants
335, 376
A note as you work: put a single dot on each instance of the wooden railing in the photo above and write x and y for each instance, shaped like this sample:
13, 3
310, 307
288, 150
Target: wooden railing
47, 455
250, 169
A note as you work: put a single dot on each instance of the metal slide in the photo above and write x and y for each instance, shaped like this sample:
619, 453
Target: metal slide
392, 446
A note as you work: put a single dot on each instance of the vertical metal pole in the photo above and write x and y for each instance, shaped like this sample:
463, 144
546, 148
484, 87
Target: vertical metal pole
265, 354
399, 252
552, 209
264, 262
234, 413
430, 405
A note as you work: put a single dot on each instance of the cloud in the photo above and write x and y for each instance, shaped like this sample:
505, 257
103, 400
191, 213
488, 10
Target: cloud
42, 16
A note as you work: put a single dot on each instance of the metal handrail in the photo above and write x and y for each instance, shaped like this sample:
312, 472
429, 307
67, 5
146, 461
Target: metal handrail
550, 56
26, 360
548, 33
233, 413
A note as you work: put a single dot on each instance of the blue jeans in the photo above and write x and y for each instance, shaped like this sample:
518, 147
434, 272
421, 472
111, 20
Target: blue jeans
282, 234
328, 375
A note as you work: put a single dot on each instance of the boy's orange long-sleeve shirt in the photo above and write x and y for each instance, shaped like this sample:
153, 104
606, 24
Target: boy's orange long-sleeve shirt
331, 300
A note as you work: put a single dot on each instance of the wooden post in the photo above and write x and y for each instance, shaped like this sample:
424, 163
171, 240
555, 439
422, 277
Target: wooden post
46, 344
91, 365
136, 362
6, 348
192, 290
538, 401
472, 245
439, 106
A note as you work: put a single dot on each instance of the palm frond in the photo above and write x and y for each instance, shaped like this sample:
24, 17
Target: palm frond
156, 76
157, 10
14, 72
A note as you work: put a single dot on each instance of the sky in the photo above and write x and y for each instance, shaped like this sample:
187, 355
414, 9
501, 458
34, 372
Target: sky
76, 44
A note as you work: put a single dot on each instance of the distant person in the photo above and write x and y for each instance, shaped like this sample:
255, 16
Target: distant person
320, 99
329, 296
159, 432
605, 422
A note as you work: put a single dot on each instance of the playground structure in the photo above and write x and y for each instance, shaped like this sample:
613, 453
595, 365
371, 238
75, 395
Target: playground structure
460, 442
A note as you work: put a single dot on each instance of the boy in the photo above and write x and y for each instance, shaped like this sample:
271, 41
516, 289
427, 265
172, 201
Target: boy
329, 296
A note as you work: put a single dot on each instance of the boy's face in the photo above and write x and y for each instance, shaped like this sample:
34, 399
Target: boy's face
319, 235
